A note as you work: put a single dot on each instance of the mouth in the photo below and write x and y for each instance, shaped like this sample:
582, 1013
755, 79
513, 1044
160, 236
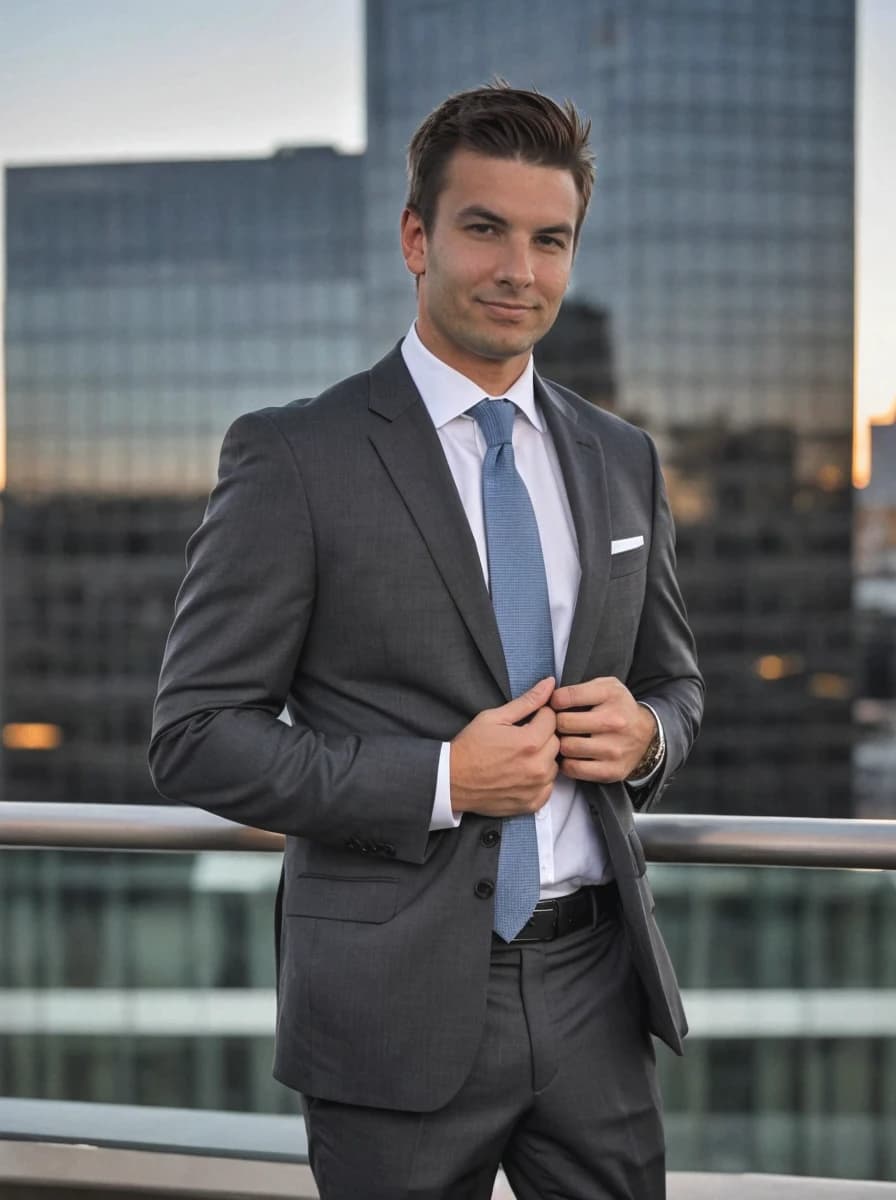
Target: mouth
507, 307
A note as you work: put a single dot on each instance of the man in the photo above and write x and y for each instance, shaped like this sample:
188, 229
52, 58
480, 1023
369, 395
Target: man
412, 563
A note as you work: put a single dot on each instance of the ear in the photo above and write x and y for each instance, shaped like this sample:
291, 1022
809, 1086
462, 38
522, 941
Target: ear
413, 242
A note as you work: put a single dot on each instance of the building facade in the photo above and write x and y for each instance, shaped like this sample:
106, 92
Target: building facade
148, 304
719, 248
874, 776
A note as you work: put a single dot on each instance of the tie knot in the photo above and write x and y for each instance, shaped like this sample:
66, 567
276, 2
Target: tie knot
495, 419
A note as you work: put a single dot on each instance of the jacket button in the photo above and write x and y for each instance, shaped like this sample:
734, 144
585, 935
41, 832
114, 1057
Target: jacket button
352, 844
484, 888
490, 837
388, 850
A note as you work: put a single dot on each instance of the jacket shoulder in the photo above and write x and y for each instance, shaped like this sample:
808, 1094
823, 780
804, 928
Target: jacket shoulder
337, 405
606, 425
347, 397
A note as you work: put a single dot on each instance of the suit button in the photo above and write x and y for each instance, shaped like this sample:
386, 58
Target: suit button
484, 888
353, 844
490, 837
388, 850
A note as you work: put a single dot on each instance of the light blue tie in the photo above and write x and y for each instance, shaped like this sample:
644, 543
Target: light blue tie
520, 598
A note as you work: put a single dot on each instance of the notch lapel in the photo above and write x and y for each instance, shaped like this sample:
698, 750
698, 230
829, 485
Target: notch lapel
582, 462
408, 445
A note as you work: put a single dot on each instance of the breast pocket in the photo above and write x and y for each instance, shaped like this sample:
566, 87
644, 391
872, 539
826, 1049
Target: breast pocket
626, 562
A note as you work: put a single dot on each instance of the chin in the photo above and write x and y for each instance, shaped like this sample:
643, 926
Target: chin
499, 348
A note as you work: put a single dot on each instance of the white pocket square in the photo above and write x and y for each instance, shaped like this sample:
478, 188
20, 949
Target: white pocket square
620, 545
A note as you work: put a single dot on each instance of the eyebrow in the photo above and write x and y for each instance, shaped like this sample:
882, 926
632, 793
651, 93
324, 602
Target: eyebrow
485, 214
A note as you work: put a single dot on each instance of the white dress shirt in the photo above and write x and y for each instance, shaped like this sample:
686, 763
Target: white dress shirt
571, 852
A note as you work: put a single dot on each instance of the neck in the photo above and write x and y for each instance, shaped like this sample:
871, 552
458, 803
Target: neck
494, 376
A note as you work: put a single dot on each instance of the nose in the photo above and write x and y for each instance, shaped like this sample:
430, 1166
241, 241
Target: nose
514, 266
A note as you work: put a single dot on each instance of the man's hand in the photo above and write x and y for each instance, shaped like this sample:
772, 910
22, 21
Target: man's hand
605, 740
500, 768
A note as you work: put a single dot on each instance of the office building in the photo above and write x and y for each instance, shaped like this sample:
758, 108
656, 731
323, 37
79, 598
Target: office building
719, 248
874, 774
147, 305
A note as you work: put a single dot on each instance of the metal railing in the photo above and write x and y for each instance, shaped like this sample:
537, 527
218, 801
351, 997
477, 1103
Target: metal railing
48, 1146
59, 1148
672, 838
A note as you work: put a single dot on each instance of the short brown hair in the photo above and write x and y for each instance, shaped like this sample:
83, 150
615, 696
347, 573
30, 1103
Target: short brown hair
501, 122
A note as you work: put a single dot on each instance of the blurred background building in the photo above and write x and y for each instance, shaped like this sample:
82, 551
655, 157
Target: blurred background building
720, 247
712, 302
147, 305
874, 769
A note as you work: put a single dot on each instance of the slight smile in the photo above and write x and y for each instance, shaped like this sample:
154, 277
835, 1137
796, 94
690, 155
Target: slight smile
502, 306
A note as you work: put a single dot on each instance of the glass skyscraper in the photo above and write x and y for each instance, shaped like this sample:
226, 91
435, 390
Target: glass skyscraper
719, 248
147, 305
874, 782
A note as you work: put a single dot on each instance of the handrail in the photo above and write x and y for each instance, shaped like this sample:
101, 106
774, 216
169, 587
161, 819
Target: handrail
129, 1150
667, 837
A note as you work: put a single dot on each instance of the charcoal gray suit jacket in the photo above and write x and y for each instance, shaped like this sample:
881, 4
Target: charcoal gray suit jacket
335, 572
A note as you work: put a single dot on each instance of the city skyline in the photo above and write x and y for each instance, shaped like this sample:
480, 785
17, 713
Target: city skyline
172, 101
150, 303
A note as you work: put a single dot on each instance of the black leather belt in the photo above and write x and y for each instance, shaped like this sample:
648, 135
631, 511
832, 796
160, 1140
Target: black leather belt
555, 918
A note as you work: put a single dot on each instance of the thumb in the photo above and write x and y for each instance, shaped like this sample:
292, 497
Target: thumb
525, 705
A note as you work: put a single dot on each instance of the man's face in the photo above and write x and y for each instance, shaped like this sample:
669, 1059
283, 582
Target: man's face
493, 268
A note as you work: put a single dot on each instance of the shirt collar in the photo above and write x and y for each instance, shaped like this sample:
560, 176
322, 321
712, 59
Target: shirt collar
447, 393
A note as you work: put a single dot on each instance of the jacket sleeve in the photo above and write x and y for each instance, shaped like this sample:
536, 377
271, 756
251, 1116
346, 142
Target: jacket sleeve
241, 618
664, 670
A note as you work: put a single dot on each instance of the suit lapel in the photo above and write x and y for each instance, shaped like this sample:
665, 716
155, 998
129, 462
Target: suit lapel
408, 445
584, 472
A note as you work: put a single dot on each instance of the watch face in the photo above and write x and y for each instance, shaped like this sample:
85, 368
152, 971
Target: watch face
654, 753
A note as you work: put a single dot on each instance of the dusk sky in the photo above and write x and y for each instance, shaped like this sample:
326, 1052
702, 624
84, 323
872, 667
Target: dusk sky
100, 80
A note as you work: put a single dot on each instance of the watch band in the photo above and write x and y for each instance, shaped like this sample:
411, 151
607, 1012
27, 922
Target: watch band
653, 755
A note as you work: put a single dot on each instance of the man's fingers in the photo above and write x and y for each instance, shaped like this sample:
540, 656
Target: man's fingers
587, 694
591, 771
543, 725
523, 706
600, 719
597, 749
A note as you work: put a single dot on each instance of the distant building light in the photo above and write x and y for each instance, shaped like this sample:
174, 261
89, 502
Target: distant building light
831, 478
689, 498
825, 685
31, 736
778, 666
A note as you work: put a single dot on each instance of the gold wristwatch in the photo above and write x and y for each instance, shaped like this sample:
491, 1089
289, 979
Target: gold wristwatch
653, 755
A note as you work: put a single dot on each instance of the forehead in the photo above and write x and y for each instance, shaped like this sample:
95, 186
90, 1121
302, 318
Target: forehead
521, 192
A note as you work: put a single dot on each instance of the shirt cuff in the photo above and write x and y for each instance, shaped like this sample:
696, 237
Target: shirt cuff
643, 780
442, 814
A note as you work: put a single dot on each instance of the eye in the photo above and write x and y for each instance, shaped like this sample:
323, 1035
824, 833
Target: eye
548, 239
481, 227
